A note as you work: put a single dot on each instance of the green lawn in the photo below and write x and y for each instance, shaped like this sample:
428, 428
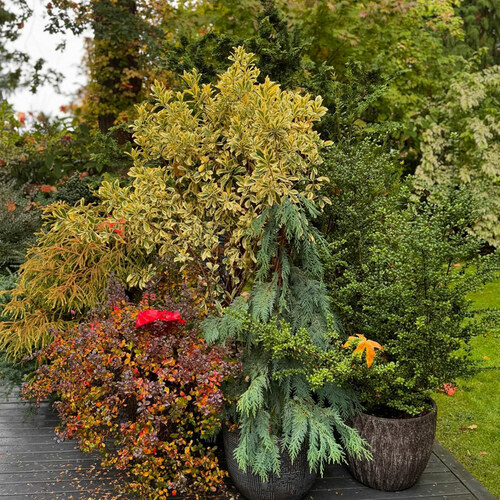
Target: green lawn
476, 403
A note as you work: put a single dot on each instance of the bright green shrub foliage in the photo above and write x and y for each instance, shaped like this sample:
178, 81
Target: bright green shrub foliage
212, 161
362, 175
351, 93
461, 145
409, 295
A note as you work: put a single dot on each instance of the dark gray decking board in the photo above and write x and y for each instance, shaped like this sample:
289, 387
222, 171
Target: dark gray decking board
473, 485
35, 466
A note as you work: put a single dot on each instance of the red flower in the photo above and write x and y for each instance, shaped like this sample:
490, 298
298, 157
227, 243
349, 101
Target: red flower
21, 117
152, 315
112, 226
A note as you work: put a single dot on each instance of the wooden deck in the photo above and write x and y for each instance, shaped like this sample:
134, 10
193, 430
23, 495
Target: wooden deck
34, 465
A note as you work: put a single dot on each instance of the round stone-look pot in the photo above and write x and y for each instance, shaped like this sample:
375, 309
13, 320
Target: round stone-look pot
293, 484
401, 448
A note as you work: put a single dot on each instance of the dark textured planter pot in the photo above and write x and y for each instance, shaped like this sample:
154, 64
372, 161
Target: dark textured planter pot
293, 484
401, 449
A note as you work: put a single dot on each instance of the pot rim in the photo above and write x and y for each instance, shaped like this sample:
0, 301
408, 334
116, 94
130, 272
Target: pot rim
413, 419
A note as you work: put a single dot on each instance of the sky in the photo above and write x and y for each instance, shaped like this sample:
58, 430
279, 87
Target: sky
38, 43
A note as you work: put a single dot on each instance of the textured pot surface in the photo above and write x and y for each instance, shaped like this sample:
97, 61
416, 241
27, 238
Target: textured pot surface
401, 449
293, 484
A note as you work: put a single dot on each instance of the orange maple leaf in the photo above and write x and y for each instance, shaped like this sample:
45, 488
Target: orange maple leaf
364, 345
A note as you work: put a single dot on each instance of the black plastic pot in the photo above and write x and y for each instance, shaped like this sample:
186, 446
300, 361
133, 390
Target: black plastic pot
401, 448
293, 484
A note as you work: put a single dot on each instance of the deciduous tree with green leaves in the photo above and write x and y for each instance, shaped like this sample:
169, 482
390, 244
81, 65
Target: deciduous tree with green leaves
408, 291
461, 145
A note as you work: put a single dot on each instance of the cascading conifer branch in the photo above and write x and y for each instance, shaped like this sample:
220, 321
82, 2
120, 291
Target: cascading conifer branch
289, 393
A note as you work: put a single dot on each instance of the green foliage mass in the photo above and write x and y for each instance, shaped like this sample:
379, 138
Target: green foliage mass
75, 189
395, 47
461, 145
409, 296
401, 39
481, 20
275, 400
281, 52
38, 149
362, 176
19, 220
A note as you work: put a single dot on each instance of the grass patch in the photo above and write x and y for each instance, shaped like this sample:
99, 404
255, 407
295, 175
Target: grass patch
476, 402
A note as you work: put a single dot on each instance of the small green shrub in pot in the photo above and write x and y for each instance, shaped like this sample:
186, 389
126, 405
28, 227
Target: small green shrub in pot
410, 295
285, 421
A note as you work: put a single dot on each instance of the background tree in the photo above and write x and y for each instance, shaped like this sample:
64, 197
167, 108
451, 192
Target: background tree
16, 67
482, 27
461, 145
387, 58
127, 35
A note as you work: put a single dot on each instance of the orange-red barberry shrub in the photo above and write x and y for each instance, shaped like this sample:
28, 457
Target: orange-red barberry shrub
139, 384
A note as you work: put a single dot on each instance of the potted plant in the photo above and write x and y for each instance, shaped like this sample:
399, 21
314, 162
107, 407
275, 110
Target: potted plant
284, 422
410, 295
137, 383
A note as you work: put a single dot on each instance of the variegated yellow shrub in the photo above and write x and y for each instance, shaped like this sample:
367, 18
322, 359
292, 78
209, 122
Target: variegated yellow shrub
215, 165
211, 160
